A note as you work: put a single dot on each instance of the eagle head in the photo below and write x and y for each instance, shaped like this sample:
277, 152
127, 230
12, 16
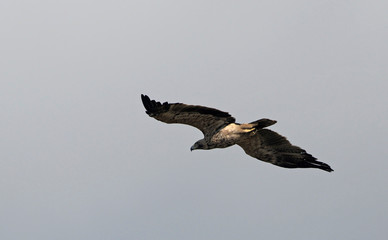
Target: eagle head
200, 144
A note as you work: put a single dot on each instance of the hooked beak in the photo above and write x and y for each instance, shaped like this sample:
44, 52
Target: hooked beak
192, 148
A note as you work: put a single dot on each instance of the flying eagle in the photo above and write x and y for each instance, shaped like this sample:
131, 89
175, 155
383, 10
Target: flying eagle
220, 130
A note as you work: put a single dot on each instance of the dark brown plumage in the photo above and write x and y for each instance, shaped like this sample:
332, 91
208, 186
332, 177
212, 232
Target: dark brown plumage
220, 130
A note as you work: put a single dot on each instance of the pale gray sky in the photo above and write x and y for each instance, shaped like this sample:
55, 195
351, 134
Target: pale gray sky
79, 158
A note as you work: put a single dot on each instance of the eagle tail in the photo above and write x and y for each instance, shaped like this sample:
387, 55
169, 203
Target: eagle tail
262, 123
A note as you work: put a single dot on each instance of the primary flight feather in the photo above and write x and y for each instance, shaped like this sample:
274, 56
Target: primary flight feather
220, 130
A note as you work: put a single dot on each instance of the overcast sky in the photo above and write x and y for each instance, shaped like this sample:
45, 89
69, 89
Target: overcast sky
79, 158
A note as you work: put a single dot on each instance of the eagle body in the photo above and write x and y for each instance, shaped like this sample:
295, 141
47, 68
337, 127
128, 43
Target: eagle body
226, 136
220, 131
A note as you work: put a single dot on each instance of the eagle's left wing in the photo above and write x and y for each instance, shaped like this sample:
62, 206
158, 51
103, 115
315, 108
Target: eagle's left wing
208, 120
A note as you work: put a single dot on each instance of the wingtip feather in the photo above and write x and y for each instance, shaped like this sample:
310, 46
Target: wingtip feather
153, 107
146, 102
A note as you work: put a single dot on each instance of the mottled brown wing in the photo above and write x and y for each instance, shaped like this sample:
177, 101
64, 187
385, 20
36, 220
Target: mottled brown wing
269, 146
208, 120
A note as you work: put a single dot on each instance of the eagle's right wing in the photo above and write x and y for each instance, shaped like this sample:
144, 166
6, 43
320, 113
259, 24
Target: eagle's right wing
269, 146
208, 120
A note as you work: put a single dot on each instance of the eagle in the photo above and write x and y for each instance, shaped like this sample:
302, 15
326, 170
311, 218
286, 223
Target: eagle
220, 130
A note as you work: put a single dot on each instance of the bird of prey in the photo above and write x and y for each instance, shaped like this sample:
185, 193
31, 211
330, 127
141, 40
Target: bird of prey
220, 130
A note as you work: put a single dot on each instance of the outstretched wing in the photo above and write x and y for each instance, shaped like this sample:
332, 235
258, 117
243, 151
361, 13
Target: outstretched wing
208, 120
269, 146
